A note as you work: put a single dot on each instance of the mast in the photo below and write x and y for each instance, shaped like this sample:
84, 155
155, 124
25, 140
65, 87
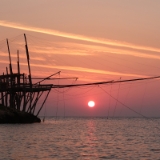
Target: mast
18, 99
18, 67
29, 69
2, 96
10, 63
11, 79
28, 60
6, 93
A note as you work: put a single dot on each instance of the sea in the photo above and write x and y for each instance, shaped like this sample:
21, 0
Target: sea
84, 138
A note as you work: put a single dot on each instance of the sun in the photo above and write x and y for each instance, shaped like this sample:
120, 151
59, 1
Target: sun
91, 104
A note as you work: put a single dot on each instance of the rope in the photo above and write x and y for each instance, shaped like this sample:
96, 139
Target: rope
57, 100
44, 111
106, 82
109, 102
124, 104
64, 105
117, 98
127, 94
142, 102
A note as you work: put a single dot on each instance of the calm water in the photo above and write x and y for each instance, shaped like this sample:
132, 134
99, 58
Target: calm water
82, 138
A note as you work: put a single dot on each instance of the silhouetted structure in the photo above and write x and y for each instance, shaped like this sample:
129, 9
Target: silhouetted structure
17, 90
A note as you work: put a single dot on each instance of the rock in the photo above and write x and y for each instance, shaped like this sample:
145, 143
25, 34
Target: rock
9, 115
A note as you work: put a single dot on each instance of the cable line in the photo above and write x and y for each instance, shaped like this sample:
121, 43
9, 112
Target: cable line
109, 102
124, 104
117, 98
105, 82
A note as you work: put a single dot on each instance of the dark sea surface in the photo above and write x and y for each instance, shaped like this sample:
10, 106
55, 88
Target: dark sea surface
82, 138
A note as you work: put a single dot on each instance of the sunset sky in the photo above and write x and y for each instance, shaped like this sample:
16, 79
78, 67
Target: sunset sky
94, 40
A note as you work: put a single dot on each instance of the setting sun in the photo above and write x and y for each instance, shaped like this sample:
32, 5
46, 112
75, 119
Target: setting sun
91, 103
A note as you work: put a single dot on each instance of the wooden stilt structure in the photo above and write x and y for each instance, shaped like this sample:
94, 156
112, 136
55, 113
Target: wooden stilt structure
17, 90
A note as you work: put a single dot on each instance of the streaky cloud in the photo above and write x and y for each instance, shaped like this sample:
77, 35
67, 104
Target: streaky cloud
59, 52
76, 37
89, 50
80, 69
104, 50
22, 56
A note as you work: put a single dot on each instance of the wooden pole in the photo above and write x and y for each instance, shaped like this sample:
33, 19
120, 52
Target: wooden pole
28, 60
10, 63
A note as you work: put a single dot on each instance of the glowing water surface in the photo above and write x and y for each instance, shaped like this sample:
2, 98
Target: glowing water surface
82, 138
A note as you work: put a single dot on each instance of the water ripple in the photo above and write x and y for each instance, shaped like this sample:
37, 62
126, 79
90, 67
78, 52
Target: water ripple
82, 138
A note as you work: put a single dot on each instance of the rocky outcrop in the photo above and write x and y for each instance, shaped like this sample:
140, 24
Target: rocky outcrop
9, 115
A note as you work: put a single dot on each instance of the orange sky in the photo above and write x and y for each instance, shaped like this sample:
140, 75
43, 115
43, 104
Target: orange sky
92, 40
